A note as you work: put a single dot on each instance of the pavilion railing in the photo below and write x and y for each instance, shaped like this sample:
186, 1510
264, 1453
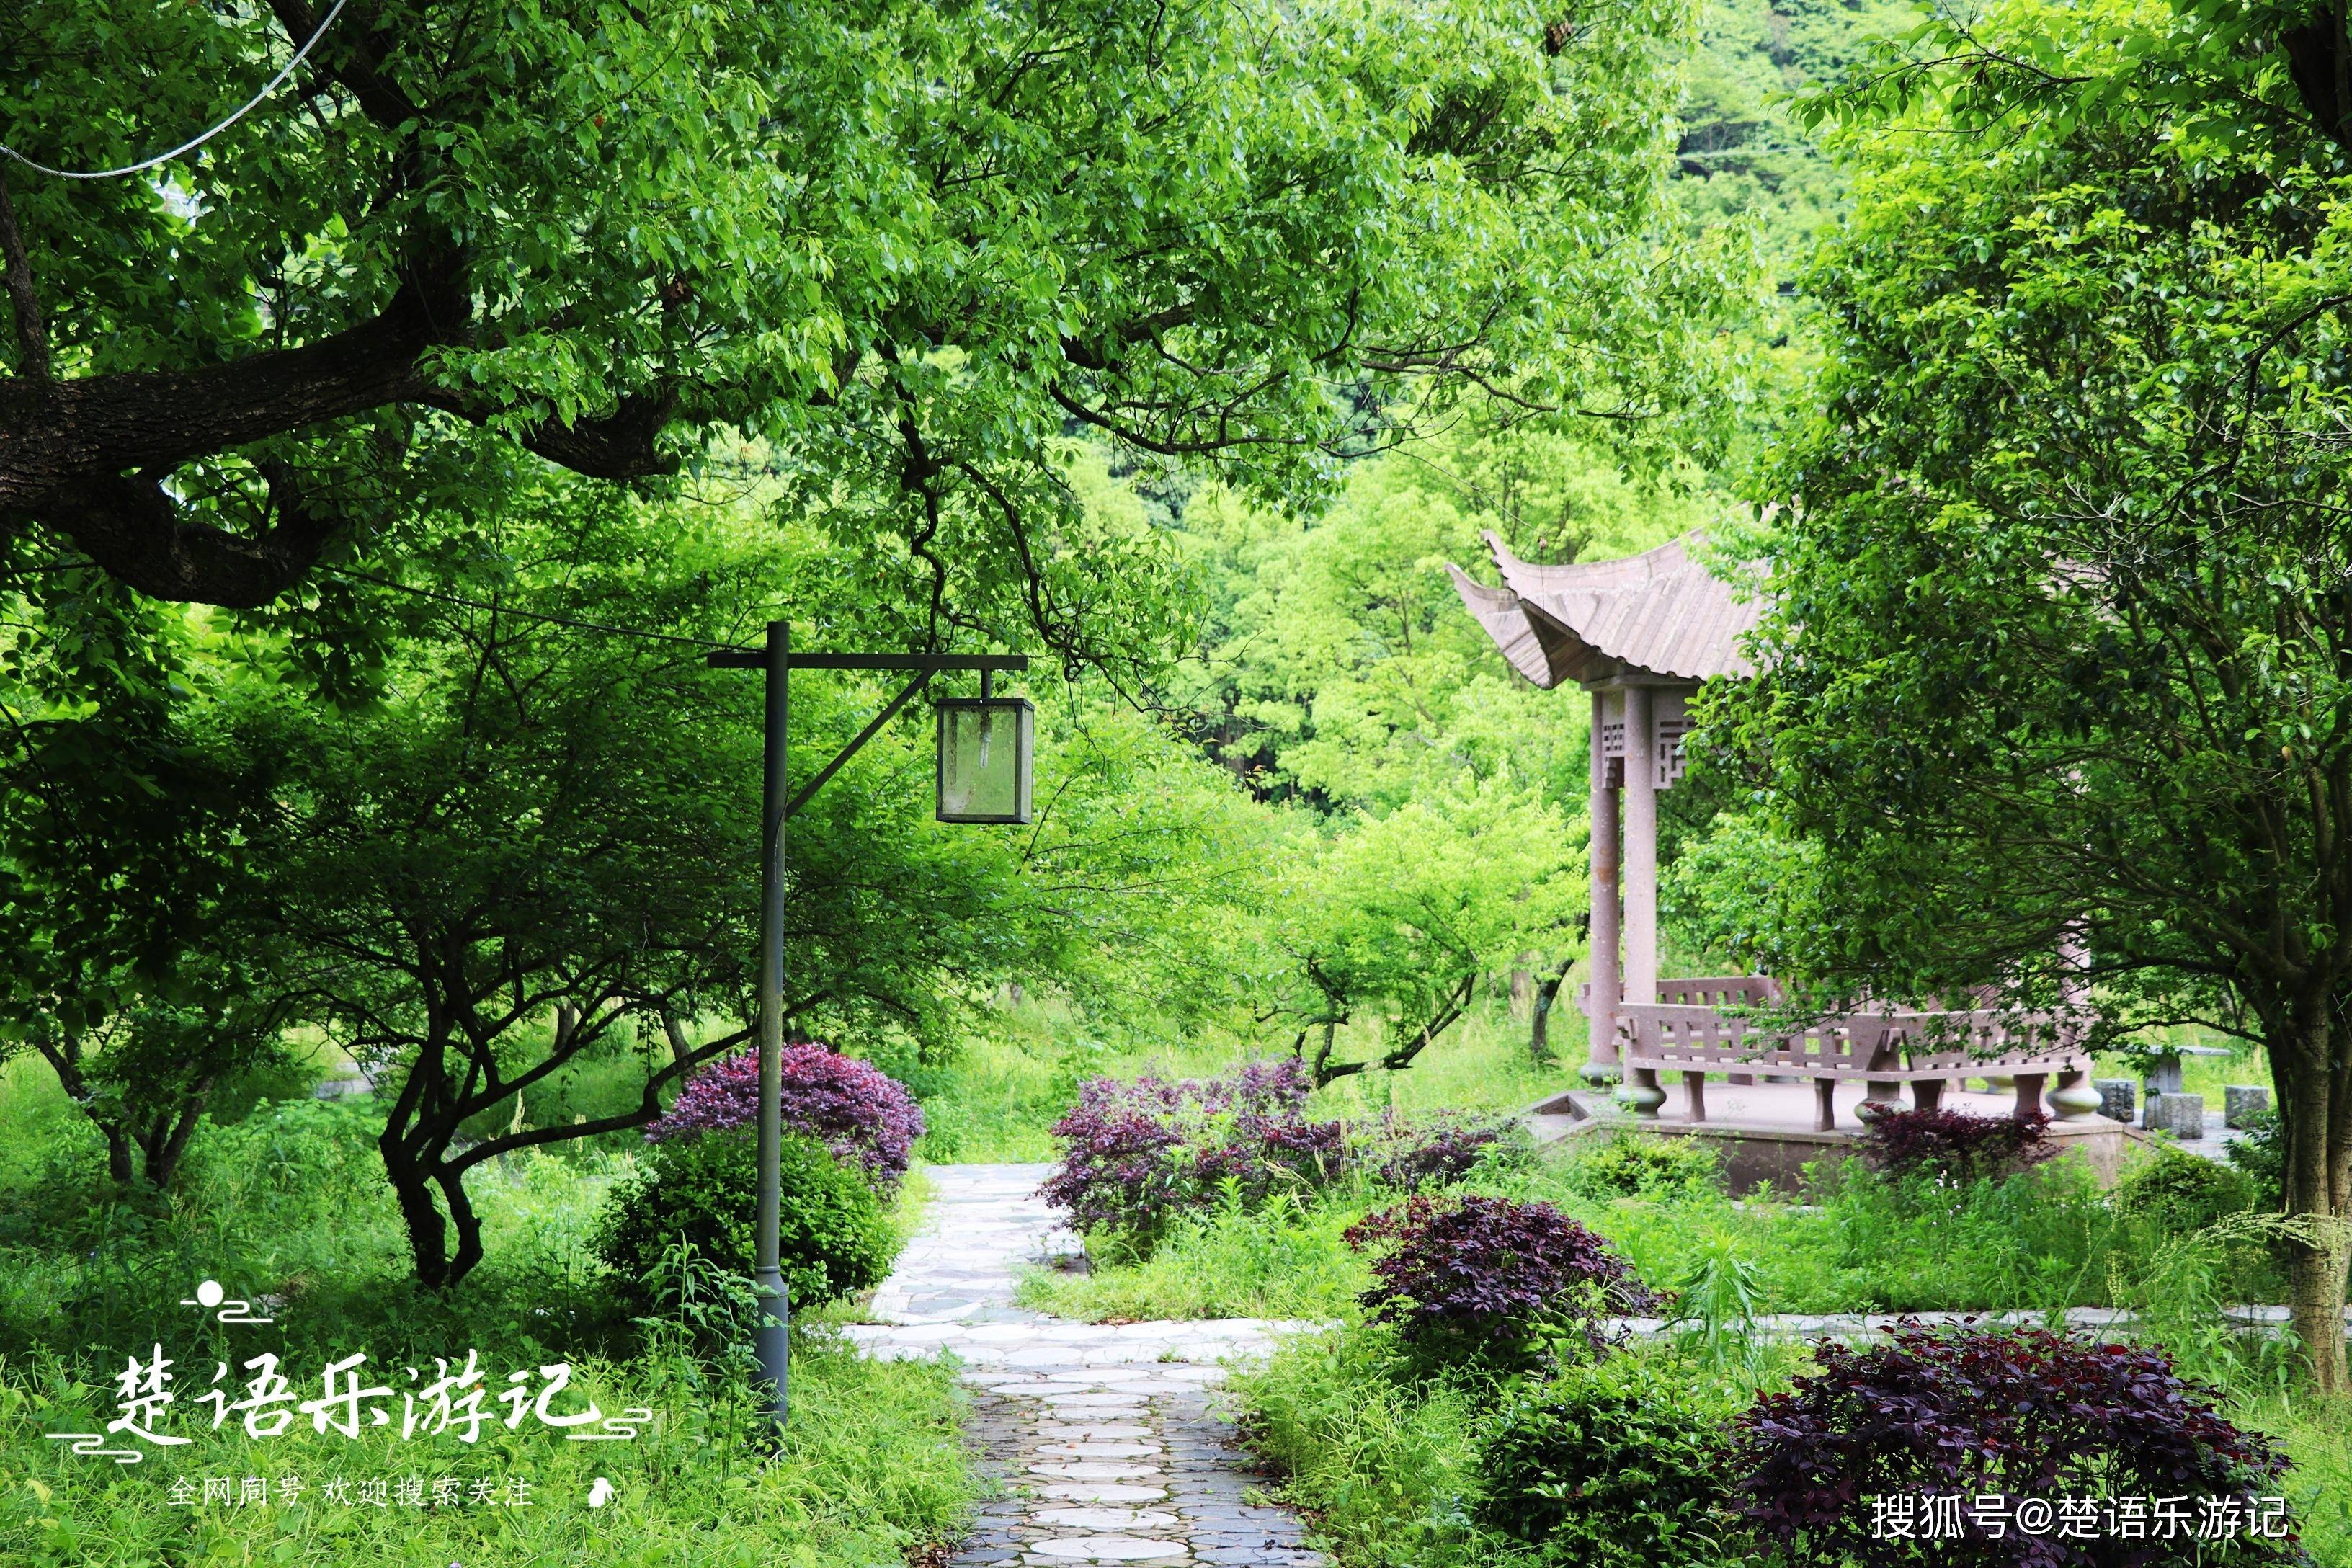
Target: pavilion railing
1691, 1033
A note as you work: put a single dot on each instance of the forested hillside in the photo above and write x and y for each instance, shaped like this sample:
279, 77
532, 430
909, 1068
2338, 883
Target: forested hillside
1739, 155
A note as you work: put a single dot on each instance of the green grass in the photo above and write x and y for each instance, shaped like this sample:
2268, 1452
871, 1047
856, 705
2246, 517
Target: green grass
872, 1468
1286, 1262
2042, 1240
1003, 1094
1386, 1468
290, 1204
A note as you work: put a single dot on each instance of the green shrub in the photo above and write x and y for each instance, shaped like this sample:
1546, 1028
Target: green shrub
1630, 1165
1921, 1244
2261, 1153
834, 1237
279, 1076
1614, 1463
2181, 1193
310, 1154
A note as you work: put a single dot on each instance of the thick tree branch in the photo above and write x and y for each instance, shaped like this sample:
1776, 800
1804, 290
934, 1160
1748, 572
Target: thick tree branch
87, 458
616, 446
55, 438
133, 531
2317, 57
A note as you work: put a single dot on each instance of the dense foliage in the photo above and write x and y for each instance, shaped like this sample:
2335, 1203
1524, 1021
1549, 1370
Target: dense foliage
2260, 1151
860, 1113
833, 1238
288, 1199
1138, 1155
1629, 1166
1616, 1462
1473, 1279
2181, 1193
1421, 1155
1957, 1144
2053, 688
909, 248
2003, 1417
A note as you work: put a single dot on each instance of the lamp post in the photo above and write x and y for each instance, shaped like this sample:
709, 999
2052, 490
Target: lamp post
990, 752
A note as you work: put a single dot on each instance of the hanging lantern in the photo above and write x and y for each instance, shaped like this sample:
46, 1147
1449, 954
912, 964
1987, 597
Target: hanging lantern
984, 754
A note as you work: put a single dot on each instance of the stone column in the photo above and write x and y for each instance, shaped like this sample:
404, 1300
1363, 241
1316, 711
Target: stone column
1641, 847
1601, 1065
1641, 1094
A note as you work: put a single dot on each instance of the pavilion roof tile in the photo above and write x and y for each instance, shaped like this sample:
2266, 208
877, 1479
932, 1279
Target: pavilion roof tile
1661, 611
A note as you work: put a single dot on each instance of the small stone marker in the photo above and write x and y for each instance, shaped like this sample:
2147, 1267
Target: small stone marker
2119, 1098
2240, 1100
2182, 1115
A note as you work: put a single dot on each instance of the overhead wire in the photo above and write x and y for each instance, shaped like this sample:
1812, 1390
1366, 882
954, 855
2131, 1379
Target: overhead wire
193, 143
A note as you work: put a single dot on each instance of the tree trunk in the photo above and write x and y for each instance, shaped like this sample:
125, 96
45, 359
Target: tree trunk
2315, 1114
428, 1233
468, 1226
1323, 1055
681, 1050
1539, 1020
167, 1137
118, 1153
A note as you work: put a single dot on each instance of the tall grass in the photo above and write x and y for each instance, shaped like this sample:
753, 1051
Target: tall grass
870, 1470
1388, 1465
1287, 1260
2041, 1241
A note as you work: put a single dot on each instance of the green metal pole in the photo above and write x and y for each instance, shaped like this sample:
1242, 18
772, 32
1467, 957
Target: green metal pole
772, 1344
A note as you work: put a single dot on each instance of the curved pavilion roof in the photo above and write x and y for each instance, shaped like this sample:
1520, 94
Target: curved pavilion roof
1660, 613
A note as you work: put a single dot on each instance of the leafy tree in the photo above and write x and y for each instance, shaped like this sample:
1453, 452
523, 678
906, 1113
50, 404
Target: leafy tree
2057, 686
543, 835
128, 905
1339, 671
1339, 667
1398, 917
540, 848
906, 247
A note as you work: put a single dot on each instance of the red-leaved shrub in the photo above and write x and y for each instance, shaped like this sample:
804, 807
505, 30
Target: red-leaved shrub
1136, 1155
1473, 1280
1416, 1156
1995, 1418
864, 1115
1954, 1142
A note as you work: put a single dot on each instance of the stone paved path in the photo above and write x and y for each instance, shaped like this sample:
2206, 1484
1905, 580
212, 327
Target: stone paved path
1106, 1439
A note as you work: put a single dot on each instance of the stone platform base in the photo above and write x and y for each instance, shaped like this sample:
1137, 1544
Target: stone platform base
1765, 1131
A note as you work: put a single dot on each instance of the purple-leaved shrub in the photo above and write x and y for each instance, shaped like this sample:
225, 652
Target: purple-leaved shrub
1482, 1280
1136, 1155
1998, 1418
864, 1115
1954, 1142
1416, 1156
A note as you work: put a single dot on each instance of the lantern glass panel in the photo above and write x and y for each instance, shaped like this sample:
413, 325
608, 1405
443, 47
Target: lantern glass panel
984, 748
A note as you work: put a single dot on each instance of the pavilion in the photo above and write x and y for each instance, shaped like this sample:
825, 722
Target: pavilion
1641, 635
